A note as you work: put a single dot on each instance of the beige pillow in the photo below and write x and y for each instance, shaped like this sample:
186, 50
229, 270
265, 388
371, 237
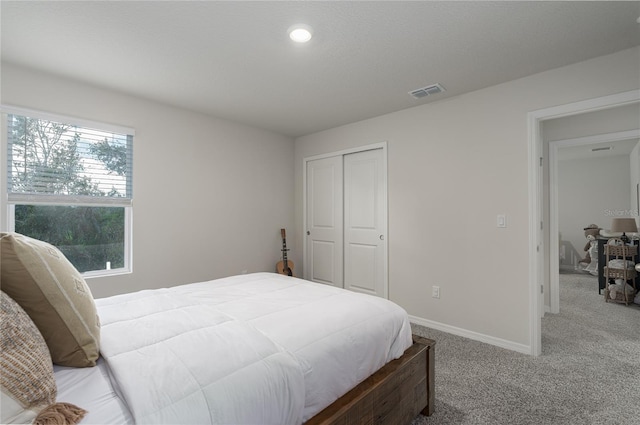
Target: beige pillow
27, 373
54, 294
28, 385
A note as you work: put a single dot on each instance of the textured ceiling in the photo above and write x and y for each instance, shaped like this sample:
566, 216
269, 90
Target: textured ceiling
234, 60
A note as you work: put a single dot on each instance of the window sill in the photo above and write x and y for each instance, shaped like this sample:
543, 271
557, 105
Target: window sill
105, 273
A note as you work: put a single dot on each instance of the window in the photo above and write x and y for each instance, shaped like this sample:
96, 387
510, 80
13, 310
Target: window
70, 183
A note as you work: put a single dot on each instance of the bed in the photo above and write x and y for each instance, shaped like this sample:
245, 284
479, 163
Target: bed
258, 348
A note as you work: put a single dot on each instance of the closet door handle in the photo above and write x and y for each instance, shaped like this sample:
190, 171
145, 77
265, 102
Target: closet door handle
381, 237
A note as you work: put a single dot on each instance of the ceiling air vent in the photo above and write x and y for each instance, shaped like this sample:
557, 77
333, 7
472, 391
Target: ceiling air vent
426, 91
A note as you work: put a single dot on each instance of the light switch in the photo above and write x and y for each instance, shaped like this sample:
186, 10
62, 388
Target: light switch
502, 220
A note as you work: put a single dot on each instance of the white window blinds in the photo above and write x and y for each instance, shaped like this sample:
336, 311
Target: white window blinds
53, 160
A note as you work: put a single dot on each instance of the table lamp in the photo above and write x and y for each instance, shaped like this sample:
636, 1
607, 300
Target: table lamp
624, 225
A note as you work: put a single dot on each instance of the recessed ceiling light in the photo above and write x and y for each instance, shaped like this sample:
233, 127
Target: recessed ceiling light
300, 33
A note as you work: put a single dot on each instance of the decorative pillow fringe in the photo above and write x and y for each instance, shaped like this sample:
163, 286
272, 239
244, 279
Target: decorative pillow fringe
60, 414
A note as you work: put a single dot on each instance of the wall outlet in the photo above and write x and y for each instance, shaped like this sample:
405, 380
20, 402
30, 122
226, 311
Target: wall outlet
435, 291
245, 271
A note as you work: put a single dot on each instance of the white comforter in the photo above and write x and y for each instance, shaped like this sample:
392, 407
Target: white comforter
251, 349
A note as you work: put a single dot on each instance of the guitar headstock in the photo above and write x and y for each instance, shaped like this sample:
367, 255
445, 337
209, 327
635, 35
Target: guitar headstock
283, 233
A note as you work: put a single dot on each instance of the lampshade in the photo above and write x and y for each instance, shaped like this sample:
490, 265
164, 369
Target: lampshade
624, 225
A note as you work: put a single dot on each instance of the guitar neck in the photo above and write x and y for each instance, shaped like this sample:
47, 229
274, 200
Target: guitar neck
284, 252
285, 261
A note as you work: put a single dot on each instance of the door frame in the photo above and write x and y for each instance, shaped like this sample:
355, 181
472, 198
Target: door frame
385, 224
554, 221
537, 256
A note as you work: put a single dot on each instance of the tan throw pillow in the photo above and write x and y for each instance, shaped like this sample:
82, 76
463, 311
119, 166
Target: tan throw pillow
56, 297
28, 385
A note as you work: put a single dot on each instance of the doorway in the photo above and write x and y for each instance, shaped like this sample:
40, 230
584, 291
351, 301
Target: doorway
579, 149
345, 219
539, 252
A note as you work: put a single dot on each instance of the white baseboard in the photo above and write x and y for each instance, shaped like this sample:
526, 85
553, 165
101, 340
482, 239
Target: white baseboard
499, 342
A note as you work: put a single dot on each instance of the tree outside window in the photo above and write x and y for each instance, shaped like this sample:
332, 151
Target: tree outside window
71, 186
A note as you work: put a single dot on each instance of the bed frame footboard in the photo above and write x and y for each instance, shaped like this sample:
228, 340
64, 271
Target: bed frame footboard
393, 395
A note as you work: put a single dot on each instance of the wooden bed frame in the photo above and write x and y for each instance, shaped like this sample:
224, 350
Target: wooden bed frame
394, 395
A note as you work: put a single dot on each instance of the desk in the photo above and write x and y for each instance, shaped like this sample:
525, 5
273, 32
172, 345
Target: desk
601, 260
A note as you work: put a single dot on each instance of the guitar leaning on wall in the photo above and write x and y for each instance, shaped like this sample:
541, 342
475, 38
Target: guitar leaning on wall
285, 266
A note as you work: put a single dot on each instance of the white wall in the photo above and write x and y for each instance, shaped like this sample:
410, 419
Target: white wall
453, 165
612, 120
210, 196
590, 191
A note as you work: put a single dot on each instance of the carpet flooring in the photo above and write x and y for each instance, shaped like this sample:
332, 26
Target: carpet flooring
588, 373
